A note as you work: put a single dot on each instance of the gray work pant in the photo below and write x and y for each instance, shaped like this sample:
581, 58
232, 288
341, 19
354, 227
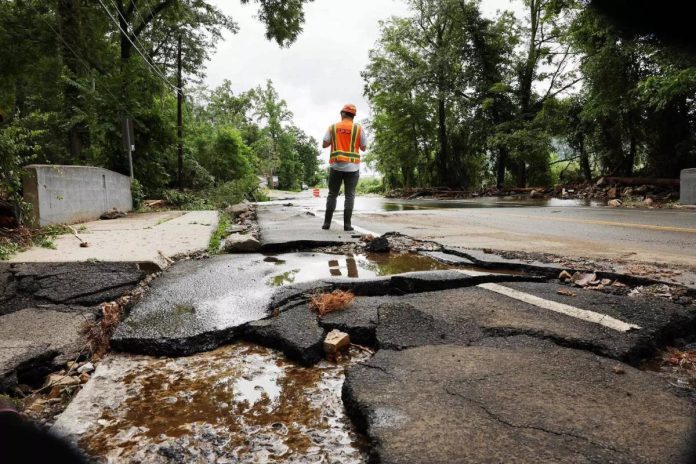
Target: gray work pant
350, 182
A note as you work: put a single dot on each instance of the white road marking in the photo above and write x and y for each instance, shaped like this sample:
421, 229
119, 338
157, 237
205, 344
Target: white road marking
358, 229
572, 311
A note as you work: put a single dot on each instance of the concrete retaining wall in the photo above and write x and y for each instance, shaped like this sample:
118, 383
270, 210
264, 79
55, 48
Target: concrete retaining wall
70, 194
687, 194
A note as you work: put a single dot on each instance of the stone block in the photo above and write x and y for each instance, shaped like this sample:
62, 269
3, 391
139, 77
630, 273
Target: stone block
336, 342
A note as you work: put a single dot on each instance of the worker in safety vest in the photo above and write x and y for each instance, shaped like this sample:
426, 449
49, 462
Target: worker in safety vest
346, 139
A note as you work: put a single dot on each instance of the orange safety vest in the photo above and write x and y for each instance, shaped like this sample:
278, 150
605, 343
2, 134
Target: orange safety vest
345, 142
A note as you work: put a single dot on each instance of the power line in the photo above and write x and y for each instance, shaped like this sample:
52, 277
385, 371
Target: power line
137, 39
157, 71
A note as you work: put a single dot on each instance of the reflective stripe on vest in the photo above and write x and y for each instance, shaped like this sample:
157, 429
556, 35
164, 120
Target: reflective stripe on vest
345, 150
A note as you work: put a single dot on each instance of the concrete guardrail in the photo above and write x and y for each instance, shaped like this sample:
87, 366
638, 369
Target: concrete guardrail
71, 194
687, 194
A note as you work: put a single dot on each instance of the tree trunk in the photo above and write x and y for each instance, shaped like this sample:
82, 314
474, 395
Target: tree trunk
70, 30
631, 160
443, 162
502, 163
585, 161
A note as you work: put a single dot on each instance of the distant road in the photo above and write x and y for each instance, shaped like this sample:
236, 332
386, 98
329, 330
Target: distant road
661, 236
650, 235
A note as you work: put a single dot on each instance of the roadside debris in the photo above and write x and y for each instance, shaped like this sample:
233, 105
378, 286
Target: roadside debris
629, 192
378, 245
113, 214
336, 342
566, 293
583, 280
325, 303
238, 209
152, 204
677, 365
237, 243
99, 333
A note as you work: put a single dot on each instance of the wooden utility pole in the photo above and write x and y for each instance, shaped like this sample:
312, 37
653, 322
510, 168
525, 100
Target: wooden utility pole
180, 120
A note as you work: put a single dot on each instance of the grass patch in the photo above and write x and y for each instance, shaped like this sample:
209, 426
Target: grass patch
219, 234
22, 238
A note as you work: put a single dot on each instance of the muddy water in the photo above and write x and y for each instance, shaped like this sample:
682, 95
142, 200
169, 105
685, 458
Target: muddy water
240, 403
306, 267
380, 204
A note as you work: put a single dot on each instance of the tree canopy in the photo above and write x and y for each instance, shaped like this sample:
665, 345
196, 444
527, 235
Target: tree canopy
462, 100
73, 70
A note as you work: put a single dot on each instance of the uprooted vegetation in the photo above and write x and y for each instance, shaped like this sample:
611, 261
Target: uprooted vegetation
98, 333
325, 303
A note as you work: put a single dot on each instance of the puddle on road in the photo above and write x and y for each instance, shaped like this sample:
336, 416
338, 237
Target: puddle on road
677, 367
380, 204
240, 403
306, 267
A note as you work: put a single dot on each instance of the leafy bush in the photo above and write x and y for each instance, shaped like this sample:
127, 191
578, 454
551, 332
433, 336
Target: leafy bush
138, 193
186, 201
233, 192
370, 186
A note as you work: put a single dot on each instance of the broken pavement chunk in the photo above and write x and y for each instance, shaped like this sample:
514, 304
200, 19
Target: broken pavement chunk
565, 275
583, 280
378, 245
336, 342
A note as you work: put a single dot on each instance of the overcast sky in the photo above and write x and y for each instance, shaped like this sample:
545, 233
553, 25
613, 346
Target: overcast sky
320, 72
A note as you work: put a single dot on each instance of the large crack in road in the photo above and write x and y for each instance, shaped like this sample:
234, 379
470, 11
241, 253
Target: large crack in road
450, 347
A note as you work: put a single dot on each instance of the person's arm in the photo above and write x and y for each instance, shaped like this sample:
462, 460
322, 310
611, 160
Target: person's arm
327, 139
363, 139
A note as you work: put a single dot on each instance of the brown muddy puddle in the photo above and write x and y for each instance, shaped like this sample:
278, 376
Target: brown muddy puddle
240, 403
306, 267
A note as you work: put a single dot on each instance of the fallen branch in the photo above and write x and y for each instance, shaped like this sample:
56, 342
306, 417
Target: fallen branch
639, 181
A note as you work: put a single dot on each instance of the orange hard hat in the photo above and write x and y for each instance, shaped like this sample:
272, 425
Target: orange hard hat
349, 108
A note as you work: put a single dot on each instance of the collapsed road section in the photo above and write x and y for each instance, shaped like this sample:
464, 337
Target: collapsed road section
469, 364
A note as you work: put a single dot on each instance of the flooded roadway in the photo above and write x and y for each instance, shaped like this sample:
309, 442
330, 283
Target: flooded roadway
239, 403
577, 228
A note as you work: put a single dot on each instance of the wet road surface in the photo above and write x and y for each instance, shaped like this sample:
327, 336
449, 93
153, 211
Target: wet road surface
563, 227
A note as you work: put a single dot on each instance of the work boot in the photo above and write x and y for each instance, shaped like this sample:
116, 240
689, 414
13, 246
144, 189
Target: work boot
346, 220
327, 219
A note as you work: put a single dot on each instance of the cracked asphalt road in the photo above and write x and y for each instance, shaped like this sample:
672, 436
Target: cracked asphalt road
658, 235
461, 373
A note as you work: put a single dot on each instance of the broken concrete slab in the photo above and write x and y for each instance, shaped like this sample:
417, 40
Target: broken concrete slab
37, 341
148, 237
359, 321
493, 261
660, 320
295, 332
430, 281
449, 258
87, 284
288, 228
402, 325
240, 243
197, 305
528, 403
465, 316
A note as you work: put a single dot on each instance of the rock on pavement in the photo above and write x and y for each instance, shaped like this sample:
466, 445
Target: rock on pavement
515, 400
